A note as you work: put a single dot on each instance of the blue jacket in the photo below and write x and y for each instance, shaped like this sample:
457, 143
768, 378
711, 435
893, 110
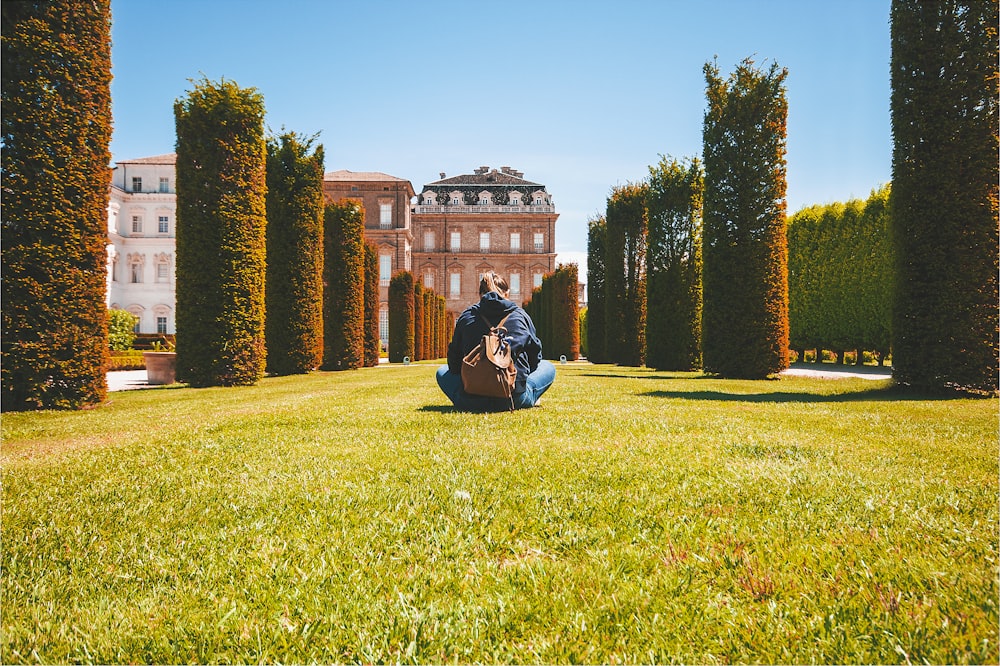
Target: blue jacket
470, 329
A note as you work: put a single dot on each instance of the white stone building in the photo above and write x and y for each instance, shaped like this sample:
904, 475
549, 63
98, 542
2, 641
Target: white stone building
142, 216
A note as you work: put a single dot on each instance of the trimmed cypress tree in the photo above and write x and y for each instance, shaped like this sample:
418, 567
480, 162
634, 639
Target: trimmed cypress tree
673, 265
625, 277
597, 236
56, 72
344, 295
944, 194
294, 293
430, 318
745, 252
418, 321
401, 317
566, 312
373, 343
221, 235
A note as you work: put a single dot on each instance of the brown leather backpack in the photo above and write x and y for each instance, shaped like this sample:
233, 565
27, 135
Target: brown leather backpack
489, 370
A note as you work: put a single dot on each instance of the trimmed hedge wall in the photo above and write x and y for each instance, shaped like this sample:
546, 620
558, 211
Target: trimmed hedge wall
625, 276
344, 277
840, 277
673, 265
944, 77
401, 317
745, 253
221, 235
555, 309
294, 293
56, 100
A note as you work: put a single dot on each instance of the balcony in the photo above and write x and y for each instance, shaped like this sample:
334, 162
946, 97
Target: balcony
465, 210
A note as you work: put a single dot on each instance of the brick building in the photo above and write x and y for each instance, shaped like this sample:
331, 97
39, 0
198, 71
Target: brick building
386, 200
487, 220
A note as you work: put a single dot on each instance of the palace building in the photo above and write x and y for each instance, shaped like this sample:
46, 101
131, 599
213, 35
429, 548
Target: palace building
488, 220
448, 236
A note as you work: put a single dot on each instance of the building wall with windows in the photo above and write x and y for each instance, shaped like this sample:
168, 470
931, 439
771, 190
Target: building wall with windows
488, 220
142, 208
386, 201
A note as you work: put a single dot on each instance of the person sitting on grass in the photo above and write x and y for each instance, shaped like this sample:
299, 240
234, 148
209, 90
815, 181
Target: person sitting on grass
534, 375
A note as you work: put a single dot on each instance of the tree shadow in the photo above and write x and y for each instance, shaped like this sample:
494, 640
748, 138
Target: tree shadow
885, 394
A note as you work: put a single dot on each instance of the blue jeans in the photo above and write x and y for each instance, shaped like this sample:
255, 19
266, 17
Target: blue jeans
535, 384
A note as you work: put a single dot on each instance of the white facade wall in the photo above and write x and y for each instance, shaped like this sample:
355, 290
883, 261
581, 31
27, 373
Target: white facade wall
142, 257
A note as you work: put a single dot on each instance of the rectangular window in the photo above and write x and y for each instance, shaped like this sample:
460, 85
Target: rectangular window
454, 285
161, 325
385, 216
136, 184
136, 224
515, 242
164, 226
539, 242
164, 185
536, 280
383, 325
429, 279
515, 284
428, 241
136, 273
162, 272
484, 241
384, 269
454, 201
456, 241
515, 201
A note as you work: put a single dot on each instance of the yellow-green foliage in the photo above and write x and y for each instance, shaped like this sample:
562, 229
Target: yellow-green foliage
625, 274
221, 234
56, 120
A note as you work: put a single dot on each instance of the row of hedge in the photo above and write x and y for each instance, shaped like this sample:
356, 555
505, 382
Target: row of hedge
554, 307
419, 323
840, 276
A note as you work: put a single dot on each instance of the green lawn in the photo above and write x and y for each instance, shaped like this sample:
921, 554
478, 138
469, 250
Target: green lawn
637, 516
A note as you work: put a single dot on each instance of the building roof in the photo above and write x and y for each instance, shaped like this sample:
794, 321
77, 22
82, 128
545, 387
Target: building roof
361, 176
169, 158
487, 177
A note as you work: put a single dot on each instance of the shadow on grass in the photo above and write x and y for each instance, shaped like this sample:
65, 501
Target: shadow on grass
890, 394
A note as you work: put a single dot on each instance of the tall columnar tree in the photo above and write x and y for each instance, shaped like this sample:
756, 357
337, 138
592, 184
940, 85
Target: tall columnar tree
944, 193
430, 321
401, 317
221, 234
344, 295
373, 344
418, 321
673, 265
745, 252
294, 293
625, 276
597, 237
56, 72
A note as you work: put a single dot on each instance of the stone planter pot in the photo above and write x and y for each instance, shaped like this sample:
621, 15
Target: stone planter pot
161, 367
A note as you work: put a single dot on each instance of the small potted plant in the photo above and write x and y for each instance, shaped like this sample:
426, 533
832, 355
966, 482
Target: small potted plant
161, 363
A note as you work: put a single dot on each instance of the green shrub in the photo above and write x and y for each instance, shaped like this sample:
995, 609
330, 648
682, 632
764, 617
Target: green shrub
221, 235
597, 236
344, 296
625, 274
121, 329
294, 327
401, 317
373, 343
56, 100
131, 359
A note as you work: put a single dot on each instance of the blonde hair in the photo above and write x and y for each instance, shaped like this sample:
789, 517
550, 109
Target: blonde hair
493, 282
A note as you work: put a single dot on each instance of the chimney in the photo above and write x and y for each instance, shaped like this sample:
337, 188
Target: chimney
505, 169
442, 175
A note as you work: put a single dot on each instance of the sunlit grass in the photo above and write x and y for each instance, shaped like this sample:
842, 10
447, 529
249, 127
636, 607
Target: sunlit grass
636, 516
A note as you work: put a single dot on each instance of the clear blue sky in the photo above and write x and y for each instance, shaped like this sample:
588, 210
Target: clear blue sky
579, 95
